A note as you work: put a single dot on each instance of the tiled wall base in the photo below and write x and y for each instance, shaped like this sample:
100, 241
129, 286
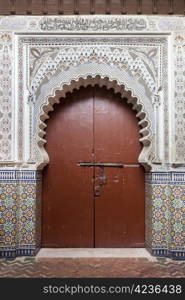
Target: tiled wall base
165, 214
12, 253
177, 255
173, 254
20, 214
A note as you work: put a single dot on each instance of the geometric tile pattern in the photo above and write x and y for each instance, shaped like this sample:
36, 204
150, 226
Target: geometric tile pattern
165, 214
177, 217
20, 215
91, 268
18, 212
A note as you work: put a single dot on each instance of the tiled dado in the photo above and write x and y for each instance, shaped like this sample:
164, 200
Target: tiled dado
165, 214
19, 212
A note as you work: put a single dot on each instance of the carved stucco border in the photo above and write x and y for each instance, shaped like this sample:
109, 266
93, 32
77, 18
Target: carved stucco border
103, 75
172, 25
148, 130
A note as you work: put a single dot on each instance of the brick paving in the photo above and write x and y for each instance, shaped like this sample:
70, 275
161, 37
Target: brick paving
91, 267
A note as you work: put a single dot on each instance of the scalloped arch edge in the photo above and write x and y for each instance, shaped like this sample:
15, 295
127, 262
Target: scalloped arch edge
126, 93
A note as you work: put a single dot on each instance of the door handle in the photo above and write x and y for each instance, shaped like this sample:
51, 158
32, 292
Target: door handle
97, 191
102, 177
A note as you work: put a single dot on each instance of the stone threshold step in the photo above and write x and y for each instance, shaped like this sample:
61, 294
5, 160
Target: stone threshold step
94, 252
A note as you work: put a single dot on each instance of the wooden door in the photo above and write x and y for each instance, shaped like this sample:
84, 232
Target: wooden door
68, 200
119, 211
93, 206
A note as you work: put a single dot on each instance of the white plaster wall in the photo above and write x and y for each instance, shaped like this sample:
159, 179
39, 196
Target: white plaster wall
21, 34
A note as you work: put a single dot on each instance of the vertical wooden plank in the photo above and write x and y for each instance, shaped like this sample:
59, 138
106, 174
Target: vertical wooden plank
123, 7
147, 7
76, 7
100, 7
29, 7
92, 7
84, 7
155, 7
108, 7
139, 7
5, 7
68, 7
21, 7
52, 7
179, 7
44, 7
115, 7
60, 7
163, 7
12, 7
131, 7
170, 7
36, 7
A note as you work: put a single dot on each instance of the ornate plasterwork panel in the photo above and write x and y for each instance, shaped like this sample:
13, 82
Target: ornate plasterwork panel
93, 24
46, 62
179, 97
6, 64
132, 63
102, 24
38, 56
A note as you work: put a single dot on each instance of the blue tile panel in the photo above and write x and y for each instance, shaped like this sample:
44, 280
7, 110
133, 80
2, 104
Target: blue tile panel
20, 192
165, 214
20, 213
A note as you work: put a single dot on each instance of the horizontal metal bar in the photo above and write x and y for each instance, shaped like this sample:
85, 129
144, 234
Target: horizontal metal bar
132, 166
87, 164
116, 165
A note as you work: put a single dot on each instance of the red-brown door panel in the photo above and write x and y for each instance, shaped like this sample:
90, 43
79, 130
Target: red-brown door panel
68, 204
93, 206
116, 130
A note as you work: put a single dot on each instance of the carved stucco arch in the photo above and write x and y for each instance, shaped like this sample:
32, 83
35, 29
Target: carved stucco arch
91, 74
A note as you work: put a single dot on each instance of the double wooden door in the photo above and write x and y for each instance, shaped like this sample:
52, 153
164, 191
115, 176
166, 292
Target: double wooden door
93, 186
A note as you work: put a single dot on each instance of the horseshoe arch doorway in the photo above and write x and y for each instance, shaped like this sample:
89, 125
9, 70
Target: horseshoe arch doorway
93, 186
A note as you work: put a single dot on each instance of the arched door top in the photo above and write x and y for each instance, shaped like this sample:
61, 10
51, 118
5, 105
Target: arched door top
90, 74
